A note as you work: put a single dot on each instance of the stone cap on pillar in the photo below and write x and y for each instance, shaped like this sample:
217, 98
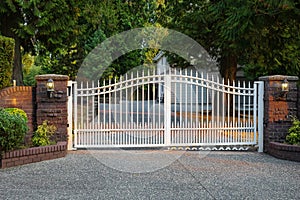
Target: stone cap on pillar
278, 78
54, 77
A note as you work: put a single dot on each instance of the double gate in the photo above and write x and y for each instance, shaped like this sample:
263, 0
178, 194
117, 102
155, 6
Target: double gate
173, 109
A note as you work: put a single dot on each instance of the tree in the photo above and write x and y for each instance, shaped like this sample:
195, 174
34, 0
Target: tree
97, 21
37, 23
262, 34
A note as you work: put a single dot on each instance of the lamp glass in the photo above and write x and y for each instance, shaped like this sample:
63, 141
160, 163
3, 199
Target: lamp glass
50, 85
285, 86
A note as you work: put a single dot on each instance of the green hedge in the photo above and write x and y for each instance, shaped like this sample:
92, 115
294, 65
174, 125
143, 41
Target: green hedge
6, 61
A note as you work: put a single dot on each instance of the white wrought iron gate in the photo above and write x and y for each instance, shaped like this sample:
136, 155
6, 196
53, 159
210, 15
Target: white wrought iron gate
193, 110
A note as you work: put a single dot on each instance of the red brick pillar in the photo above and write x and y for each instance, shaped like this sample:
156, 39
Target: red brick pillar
278, 107
54, 109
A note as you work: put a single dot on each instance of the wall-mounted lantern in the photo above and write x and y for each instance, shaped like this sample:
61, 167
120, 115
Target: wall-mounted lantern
282, 90
285, 86
50, 90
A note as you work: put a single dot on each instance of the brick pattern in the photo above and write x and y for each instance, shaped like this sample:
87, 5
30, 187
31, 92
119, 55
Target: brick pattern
31, 155
278, 108
284, 151
22, 97
55, 110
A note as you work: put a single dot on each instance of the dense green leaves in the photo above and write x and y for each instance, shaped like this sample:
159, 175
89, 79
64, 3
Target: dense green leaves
36, 23
263, 35
6, 61
293, 136
17, 111
13, 128
97, 21
42, 136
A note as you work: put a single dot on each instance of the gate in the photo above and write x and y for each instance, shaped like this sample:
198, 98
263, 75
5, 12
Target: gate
184, 109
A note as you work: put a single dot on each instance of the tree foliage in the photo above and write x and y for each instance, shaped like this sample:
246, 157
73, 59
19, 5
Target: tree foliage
97, 21
6, 61
37, 23
263, 35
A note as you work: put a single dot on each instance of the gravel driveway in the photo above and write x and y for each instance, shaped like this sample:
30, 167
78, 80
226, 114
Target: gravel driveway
154, 174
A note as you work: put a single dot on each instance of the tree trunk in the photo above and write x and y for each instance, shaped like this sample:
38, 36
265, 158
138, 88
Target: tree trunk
228, 67
17, 70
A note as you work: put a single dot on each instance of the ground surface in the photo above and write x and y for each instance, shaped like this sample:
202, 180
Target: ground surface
154, 174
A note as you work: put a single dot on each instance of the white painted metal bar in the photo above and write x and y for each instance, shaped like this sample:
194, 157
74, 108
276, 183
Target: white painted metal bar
260, 109
202, 100
75, 114
180, 96
175, 99
207, 99
255, 111
148, 96
126, 103
143, 99
239, 103
233, 102
153, 98
121, 104
218, 102
185, 97
93, 104
70, 115
87, 105
223, 103
137, 98
115, 101
197, 98
109, 104
212, 102
167, 108
104, 103
190, 83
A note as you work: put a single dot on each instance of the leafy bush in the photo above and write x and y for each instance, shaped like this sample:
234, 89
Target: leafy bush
6, 61
43, 134
294, 132
13, 128
18, 111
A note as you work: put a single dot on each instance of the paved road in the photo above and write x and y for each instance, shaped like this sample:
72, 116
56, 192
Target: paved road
152, 174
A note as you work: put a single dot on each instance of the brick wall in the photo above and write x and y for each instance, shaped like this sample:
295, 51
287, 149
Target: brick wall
31, 155
22, 97
284, 151
278, 107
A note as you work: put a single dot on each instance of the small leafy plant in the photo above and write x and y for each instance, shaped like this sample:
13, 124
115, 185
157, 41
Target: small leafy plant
294, 133
42, 136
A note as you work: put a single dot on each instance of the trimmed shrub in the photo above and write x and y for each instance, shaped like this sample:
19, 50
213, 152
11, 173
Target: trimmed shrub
13, 128
42, 135
6, 61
